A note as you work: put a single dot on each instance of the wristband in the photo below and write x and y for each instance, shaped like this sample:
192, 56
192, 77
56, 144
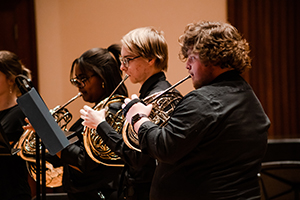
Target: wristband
137, 117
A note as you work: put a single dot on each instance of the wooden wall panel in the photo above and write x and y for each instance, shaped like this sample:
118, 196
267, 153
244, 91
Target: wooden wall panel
272, 29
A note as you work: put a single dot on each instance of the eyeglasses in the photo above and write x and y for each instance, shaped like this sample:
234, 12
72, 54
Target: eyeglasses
125, 61
80, 81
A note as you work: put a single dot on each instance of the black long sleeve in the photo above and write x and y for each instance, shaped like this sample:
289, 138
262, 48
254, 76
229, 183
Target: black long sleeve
212, 145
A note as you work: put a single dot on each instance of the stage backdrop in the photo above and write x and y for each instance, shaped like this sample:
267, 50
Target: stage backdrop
67, 28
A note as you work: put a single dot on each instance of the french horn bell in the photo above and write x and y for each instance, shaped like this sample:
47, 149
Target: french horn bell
93, 143
164, 104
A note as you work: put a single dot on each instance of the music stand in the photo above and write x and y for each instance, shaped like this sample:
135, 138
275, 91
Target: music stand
38, 114
46, 128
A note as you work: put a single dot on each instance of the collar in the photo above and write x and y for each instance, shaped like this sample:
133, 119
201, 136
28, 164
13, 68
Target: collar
229, 75
152, 80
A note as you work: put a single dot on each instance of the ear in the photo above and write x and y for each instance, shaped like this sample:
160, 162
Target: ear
152, 61
11, 81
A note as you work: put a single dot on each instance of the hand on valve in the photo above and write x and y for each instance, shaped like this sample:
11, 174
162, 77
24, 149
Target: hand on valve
133, 107
92, 117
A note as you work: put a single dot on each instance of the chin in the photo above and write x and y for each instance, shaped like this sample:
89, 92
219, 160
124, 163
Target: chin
133, 80
195, 84
86, 99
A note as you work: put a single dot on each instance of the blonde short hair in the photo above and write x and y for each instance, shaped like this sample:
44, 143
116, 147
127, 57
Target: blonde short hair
149, 43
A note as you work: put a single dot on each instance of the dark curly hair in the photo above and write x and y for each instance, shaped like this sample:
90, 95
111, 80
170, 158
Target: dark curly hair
217, 43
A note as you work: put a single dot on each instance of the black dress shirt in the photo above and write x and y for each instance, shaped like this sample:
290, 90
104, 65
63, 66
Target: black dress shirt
93, 176
139, 167
13, 171
212, 145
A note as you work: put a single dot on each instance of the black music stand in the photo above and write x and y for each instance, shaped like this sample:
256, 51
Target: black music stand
42, 121
280, 173
53, 138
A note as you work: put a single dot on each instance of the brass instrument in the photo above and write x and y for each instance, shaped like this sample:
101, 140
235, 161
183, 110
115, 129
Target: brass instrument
93, 143
27, 144
163, 103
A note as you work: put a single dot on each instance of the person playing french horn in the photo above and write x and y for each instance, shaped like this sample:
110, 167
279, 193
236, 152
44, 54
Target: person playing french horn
213, 143
96, 74
144, 57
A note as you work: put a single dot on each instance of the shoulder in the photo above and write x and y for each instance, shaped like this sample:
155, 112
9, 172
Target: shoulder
156, 83
14, 113
197, 94
194, 100
162, 85
197, 100
17, 110
12, 123
159, 86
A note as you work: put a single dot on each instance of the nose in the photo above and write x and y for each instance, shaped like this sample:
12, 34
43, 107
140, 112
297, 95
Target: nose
188, 66
123, 68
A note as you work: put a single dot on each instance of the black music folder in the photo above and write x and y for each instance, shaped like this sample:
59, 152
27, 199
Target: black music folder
42, 121
5, 148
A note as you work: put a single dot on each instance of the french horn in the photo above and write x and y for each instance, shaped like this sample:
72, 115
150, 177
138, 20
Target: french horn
27, 146
163, 103
93, 143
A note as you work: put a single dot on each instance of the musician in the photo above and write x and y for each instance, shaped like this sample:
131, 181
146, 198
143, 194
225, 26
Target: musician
14, 175
144, 57
96, 74
213, 143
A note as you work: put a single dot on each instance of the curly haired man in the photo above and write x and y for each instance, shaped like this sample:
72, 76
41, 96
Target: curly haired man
212, 145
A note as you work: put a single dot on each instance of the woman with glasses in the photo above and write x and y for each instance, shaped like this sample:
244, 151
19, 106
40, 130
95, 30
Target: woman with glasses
96, 74
144, 57
13, 172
